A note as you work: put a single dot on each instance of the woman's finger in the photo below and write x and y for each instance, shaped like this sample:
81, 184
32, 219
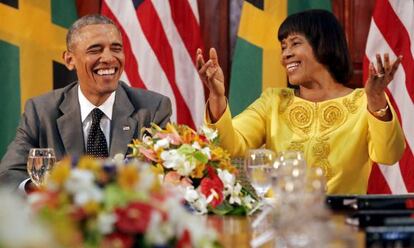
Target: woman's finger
395, 65
371, 71
213, 56
387, 65
204, 68
199, 59
380, 67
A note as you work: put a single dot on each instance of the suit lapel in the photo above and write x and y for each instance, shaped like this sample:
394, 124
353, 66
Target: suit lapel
70, 123
122, 125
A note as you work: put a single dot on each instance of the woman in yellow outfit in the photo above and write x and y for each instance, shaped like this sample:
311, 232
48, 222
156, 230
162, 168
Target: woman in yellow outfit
340, 129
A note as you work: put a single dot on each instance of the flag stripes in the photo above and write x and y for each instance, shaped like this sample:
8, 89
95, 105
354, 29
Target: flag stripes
390, 29
161, 38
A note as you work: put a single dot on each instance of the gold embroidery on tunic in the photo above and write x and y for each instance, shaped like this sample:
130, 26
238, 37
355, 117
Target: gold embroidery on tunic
297, 145
331, 116
321, 152
286, 99
350, 104
300, 117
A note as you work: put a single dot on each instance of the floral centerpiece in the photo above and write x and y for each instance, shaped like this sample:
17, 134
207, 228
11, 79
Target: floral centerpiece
91, 203
197, 165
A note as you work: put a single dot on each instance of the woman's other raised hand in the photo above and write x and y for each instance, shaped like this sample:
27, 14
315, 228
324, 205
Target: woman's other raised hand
212, 76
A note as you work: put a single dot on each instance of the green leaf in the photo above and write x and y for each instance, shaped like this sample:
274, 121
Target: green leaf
201, 157
221, 209
114, 196
186, 149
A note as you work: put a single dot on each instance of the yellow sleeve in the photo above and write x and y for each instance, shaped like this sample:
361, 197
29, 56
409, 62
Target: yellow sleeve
246, 130
386, 141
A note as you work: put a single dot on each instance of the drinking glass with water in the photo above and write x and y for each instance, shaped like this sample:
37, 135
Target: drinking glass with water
39, 163
258, 165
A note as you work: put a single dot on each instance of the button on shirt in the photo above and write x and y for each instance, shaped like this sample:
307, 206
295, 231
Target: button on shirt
86, 108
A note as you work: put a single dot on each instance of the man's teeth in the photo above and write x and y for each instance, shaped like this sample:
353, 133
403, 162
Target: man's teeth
102, 72
292, 66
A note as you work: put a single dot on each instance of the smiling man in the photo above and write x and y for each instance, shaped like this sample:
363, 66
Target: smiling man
98, 115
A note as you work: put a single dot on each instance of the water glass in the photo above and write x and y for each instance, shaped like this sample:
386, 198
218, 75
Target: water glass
258, 165
39, 163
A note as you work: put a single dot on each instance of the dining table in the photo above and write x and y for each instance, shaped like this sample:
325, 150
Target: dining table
237, 231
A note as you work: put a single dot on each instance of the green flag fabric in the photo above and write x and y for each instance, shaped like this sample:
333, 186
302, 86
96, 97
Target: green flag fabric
32, 39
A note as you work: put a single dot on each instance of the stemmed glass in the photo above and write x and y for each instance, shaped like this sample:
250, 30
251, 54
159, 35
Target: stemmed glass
258, 165
39, 163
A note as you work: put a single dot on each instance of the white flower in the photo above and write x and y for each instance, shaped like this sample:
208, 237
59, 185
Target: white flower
190, 194
200, 204
79, 180
81, 185
196, 145
186, 168
146, 180
206, 151
146, 139
158, 232
227, 178
162, 143
235, 194
106, 222
210, 134
248, 201
172, 158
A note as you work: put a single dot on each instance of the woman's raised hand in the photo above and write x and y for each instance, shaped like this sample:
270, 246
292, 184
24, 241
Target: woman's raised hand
212, 76
211, 73
378, 80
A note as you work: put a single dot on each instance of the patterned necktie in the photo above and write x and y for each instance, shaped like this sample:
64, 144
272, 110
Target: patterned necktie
96, 145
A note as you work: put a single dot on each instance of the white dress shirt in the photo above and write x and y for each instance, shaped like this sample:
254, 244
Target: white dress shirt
86, 108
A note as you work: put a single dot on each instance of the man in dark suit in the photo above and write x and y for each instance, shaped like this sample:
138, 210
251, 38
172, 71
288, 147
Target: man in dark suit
62, 119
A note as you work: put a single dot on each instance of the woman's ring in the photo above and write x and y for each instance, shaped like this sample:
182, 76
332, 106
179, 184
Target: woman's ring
380, 75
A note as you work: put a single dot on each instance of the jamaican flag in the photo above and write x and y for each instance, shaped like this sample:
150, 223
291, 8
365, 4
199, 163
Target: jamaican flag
32, 39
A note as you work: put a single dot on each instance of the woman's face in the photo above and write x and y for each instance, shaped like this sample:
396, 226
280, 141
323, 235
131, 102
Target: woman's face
299, 60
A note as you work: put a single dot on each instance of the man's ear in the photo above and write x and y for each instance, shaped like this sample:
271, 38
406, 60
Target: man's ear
69, 60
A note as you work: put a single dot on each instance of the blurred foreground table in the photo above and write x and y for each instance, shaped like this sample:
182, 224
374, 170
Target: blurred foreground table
235, 231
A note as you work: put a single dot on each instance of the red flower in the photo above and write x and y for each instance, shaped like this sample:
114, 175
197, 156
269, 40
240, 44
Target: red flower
118, 240
134, 218
185, 240
212, 185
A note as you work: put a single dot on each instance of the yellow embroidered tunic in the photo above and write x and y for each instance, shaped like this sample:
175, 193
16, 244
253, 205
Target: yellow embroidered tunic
339, 135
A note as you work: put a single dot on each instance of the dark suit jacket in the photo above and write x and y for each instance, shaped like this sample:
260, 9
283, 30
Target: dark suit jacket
54, 120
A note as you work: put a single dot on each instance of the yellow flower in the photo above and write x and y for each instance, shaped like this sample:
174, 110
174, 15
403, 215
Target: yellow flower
128, 176
91, 208
158, 169
60, 172
198, 171
89, 163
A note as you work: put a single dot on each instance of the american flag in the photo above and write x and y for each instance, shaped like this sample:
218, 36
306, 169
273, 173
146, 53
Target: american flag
160, 42
392, 31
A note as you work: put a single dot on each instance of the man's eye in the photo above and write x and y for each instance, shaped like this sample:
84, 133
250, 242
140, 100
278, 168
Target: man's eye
117, 49
93, 51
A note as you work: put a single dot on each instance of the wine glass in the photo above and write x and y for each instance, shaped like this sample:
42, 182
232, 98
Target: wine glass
39, 163
258, 165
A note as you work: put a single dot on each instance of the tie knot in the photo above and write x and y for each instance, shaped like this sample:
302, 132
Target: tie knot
96, 115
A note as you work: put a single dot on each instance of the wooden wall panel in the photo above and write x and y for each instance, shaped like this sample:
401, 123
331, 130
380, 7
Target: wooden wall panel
355, 16
214, 22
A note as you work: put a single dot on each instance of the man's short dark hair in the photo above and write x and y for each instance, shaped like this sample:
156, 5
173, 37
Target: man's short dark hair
85, 21
327, 38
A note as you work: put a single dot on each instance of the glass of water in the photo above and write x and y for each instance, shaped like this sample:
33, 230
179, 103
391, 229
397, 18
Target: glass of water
259, 165
39, 163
